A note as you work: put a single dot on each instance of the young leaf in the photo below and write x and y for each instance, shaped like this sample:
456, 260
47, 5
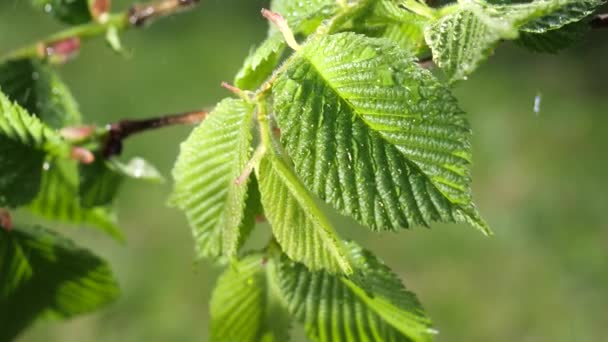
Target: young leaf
207, 168
245, 304
46, 275
98, 183
298, 224
59, 200
38, 89
462, 40
303, 17
337, 308
375, 135
71, 12
24, 143
387, 19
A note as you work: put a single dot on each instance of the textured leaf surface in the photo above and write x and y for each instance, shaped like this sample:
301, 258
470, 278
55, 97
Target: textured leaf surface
39, 90
44, 274
387, 19
210, 161
375, 135
298, 224
302, 17
24, 142
245, 305
336, 308
59, 200
462, 40
68, 11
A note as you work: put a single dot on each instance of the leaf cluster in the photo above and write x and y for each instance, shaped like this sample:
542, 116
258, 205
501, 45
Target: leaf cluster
345, 118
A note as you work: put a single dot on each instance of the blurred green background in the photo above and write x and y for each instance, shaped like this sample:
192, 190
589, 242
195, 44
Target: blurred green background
539, 180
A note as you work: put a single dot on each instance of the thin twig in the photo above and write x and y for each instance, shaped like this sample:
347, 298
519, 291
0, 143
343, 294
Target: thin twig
136, 16
121, 130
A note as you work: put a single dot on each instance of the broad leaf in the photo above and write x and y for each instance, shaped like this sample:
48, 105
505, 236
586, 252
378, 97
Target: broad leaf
59, 200
302, 17
337, 308
298, 224
245, 305
45, 275
207, 168
24, 143
68, 11
38, 89
462, 40
374, 135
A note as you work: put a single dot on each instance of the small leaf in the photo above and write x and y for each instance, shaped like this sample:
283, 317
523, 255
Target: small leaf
99, 184
46, 275
24, 143
40, 91
337, 308
387, 19
209, 163
136, 168
245, 304
298, 224
59, 200
375, 135
71, 12
302, 17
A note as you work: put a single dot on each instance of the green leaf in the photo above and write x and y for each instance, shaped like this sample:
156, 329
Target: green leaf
375, 135
46, 275
260, 63
39, 90
24, 143
555, 40
337, 308
298, 224
99, 184
461, 40
207, 168
59, 200
387, 19
71, 12
245, 305
302, 17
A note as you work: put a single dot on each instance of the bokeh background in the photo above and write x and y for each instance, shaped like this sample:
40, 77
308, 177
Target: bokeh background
539, 179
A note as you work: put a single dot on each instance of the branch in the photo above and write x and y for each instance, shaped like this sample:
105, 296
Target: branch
6, 222
66, 43
121, 130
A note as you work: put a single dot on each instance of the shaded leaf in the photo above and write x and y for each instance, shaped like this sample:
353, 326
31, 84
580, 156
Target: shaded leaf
24, 143
46, 275
39, 90
68, 11
59, 200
